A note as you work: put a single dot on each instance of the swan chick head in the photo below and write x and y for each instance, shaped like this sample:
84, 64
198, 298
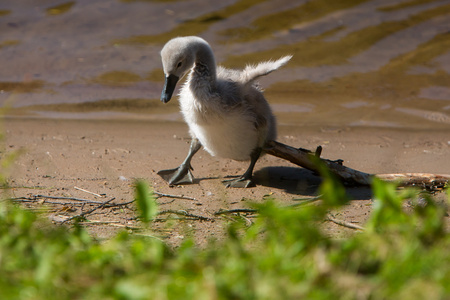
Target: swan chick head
178, 57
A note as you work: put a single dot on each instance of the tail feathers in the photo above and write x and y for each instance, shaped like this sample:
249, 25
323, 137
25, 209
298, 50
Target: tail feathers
250, 73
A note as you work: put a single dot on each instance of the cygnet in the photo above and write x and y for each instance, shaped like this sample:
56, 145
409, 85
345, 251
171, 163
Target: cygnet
225, 109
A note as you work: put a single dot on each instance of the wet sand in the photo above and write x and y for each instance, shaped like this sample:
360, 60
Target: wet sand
106, 157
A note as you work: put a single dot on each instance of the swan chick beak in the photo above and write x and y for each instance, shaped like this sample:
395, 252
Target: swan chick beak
169, 87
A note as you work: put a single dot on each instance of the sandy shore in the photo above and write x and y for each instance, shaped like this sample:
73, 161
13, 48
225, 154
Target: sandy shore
60, 157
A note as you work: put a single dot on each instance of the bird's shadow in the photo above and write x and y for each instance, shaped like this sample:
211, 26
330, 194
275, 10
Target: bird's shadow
299, 181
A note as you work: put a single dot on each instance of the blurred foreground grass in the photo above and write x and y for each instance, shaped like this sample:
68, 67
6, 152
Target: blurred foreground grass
282, 255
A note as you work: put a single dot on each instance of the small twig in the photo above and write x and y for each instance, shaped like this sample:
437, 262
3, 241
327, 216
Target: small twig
331, 218
67, 198
63, 203
248, 222
168, 202
233, 211
174, 196
41, 209
88, 212
20, 199
308, 199
26, 187
126, 226
185, 214
183, 218
34, 200
120, 204
303, 203
150, 236
92, 222
89, 192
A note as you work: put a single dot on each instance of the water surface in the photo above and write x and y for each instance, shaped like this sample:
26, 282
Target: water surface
372, 63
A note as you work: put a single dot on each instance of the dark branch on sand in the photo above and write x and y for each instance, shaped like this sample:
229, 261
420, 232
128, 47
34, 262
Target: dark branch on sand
305, 158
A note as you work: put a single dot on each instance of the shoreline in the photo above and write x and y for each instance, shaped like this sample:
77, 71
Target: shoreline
107, 156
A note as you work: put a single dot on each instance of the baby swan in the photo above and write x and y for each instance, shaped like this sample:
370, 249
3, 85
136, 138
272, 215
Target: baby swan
226, 112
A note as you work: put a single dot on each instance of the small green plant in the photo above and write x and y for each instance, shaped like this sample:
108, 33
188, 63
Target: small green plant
283, 255
7, 158
146, 203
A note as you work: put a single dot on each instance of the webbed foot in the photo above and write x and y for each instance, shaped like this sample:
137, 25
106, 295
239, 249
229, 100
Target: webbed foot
180, 175
240, 182
245, 181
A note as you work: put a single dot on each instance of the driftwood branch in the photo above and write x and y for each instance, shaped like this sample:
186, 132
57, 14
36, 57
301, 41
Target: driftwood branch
423, 180
304, 158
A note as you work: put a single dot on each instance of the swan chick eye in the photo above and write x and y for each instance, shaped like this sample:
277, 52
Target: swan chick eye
179, 64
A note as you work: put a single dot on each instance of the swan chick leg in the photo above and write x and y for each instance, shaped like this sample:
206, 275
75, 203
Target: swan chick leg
182, 174
246, 180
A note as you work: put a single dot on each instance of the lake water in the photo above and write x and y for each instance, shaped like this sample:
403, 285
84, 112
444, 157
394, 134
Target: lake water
381, 63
